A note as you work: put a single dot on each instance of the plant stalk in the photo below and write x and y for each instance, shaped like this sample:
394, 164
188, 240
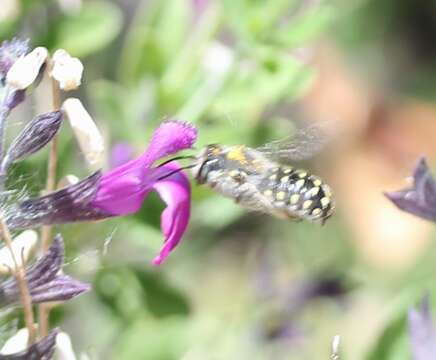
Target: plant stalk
20, 277
46, 231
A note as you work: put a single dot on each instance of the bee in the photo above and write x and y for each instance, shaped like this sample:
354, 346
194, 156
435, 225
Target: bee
257, 182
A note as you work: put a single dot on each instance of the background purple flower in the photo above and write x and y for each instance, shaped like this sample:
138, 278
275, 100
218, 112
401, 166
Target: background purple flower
420, 199
422, 332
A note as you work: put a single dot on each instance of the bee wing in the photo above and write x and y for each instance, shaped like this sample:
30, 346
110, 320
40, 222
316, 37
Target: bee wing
304, 144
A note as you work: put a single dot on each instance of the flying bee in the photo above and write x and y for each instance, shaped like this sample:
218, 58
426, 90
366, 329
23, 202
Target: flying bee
257, 181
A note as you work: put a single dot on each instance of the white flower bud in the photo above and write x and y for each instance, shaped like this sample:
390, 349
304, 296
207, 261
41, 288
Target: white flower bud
89, 137
67, 70
10, 10
22, 247
16, 343
26, 69
64, 348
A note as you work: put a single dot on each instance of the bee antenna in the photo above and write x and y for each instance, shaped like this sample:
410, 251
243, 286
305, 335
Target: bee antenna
177, 158
176, 171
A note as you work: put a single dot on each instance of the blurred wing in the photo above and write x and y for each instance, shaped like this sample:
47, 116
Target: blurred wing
304, 144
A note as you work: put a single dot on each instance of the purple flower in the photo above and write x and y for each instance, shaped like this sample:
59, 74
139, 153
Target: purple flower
422, 332
420, 199
122, 190
120, 154
45, 282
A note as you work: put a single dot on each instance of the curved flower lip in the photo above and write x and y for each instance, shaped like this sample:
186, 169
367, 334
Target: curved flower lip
175, 191
420, 199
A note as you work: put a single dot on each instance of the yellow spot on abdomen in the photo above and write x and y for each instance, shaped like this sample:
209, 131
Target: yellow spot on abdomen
325, 201
268, 193
316, 211
294, 199
307, 204
280, 195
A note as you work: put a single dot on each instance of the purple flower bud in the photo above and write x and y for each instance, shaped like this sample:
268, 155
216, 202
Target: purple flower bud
44, 281
10, 51
41, 350
422, 332
420, 199
35, 135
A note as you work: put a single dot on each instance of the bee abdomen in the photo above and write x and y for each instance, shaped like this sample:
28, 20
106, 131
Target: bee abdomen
298, 194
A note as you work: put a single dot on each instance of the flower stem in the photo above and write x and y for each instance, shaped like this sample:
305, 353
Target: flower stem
4, 112
46, 231
20, 277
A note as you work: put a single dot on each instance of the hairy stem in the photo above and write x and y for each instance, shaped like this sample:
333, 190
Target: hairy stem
46, 231
4, 113
20, 277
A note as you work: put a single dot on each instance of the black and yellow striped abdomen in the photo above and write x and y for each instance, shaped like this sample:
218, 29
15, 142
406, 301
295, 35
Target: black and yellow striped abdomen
297, 193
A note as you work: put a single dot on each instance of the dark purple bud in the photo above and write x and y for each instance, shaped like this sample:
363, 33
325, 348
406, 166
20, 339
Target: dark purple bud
420, 199
61, 288
422, 332
69, 204
10, 51
44, 280
41, 350
35, 135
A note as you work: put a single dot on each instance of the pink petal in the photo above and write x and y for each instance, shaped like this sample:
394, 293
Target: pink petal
123, 189
120, 154
175, 191
170, 137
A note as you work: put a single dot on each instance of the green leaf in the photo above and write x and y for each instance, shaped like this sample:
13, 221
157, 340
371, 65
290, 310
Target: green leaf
305, 27
162, 298
89, 31
148, 339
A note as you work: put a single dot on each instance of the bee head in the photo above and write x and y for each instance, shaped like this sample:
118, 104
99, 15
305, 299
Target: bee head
207, 161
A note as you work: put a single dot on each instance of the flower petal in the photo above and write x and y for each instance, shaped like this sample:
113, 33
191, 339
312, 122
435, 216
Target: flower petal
120, 154
422, 332
420, 199
175, 191
88, 135
26, 69
123, 189
170, 137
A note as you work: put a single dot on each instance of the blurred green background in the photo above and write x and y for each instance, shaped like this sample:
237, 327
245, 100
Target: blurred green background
243, 285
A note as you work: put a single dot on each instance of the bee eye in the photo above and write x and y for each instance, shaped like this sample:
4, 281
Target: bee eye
206, 167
